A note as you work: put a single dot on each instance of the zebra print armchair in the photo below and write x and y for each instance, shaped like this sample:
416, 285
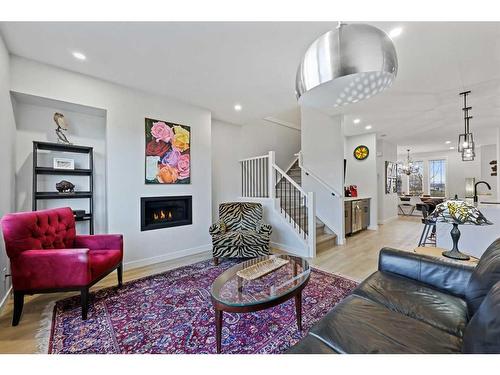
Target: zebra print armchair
240, 231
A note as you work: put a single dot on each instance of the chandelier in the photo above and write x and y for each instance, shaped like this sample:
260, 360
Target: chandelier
466, 139
346, 65
408, 167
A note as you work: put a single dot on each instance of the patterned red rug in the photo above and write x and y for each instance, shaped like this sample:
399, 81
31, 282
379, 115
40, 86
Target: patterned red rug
172, 313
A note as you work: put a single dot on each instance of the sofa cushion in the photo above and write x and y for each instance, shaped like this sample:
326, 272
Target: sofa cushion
359, 325
416, 300
227, 239
240, 238
310, 345
101, 261
485, 275
482, 334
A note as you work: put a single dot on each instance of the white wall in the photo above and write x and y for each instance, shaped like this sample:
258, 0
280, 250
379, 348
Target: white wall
456, 170
488, 153
322, 142
231, 143
87, 127
7, 126
226, 181
387, 203
259, 137
126, 110
363, 173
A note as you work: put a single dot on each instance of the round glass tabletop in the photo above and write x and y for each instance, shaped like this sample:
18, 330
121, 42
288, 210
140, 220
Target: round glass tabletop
233, 290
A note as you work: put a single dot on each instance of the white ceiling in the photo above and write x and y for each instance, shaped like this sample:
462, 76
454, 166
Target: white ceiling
215, 65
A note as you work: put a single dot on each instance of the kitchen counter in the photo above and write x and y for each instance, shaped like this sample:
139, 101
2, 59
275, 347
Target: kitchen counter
474, 239
349, 199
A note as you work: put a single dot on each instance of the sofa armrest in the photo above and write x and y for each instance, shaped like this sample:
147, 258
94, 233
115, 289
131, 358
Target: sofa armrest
51, 268
100, 241
439, 273
217, 228
264, 228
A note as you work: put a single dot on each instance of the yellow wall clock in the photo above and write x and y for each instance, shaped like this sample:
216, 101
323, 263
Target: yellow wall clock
361, 152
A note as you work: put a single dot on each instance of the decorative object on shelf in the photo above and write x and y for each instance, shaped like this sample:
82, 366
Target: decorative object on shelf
361, 152
62, 126
262, 268
346, 65
494, 167
466, 139
391, 176
458, 212
65, 187
79, 214
64, 163
408, 167
168, 158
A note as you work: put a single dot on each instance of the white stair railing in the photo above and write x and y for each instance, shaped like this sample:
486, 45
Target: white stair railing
255, 177
261, 177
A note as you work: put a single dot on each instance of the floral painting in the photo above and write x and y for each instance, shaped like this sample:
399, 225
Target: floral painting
167, 153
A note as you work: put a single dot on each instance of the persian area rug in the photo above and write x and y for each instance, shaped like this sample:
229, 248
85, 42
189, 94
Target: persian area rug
172, 313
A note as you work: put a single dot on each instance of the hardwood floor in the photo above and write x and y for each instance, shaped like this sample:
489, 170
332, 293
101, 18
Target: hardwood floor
356, 260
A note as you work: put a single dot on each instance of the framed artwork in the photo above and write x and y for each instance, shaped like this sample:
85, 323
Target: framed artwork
391, 177
167, 153
63, 163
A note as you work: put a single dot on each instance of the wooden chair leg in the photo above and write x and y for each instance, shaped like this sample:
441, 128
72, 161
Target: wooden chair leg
216, 261
84, 298
18, 307
119, 271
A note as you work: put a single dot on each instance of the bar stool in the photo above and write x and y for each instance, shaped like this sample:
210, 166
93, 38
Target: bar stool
429, 226
405, 203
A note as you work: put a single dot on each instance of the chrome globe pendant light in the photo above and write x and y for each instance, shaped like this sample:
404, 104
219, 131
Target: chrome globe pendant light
346, 65
408, 168
466, 139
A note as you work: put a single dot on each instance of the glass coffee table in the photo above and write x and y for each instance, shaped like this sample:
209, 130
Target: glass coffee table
232, 293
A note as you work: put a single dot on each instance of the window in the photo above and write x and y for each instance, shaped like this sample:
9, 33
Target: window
399, 181
415, 180
437, 178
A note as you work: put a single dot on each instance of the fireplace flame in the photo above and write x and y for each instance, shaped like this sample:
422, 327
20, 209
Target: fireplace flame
162, 215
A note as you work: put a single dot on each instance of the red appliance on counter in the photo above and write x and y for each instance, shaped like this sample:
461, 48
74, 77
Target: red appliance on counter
354, 191
351, 191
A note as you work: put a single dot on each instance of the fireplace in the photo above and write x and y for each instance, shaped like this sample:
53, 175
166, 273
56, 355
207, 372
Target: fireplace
165, 212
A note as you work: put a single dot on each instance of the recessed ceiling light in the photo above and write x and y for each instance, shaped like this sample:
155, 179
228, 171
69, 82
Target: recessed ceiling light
447, 142
368, 127
356, 121
395, 32
238, 107
452, 148
79, 55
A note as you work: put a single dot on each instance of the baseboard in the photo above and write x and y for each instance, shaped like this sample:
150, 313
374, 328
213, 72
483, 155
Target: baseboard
388, 220
288, 249
4, 299
166, 257
373, 227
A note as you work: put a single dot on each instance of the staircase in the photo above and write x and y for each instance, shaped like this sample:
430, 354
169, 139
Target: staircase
261, 177
325, 238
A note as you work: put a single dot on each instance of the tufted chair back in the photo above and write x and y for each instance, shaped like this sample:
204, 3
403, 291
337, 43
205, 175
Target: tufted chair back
240, 215
37, 230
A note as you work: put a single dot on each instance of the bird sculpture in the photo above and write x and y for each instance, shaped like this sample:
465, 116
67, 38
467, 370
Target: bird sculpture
62, 126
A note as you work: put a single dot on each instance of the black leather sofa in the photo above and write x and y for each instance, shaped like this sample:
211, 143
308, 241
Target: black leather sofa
415, 304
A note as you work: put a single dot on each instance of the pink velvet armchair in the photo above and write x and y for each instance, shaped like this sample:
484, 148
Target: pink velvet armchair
46, 255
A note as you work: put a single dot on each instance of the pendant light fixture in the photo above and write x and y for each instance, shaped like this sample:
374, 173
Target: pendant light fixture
409, 168
346, 65
466, 139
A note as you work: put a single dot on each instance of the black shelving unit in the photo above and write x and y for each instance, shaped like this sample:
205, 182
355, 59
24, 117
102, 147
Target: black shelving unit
37, 170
